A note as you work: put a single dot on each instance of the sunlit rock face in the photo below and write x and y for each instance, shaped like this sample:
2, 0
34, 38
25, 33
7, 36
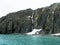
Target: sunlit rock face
46, 18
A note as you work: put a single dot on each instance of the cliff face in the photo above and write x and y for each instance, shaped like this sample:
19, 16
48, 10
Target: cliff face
16, 22
47, 18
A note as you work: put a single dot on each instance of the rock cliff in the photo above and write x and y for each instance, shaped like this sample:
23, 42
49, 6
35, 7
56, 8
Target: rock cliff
46, 18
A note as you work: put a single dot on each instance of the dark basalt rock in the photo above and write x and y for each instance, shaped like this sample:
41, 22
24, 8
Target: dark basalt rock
47, 18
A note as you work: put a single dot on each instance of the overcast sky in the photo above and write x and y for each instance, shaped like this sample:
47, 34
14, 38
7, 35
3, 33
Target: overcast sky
7, 6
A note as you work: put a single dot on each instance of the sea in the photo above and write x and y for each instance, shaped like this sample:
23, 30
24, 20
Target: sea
19, 39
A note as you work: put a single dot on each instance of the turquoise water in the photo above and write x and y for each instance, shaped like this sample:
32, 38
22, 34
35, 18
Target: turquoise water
14, 39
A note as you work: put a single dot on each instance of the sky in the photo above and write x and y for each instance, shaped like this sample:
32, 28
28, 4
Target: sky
8, 6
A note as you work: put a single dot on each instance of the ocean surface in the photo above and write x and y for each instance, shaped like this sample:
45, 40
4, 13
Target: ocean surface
18, 39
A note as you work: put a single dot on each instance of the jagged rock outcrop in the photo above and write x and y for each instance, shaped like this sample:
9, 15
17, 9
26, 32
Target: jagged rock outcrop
46, 18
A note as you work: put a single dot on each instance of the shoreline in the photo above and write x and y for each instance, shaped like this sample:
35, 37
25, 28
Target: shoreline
56, 34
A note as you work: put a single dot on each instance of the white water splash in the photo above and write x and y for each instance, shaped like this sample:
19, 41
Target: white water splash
57, 34
35, 31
